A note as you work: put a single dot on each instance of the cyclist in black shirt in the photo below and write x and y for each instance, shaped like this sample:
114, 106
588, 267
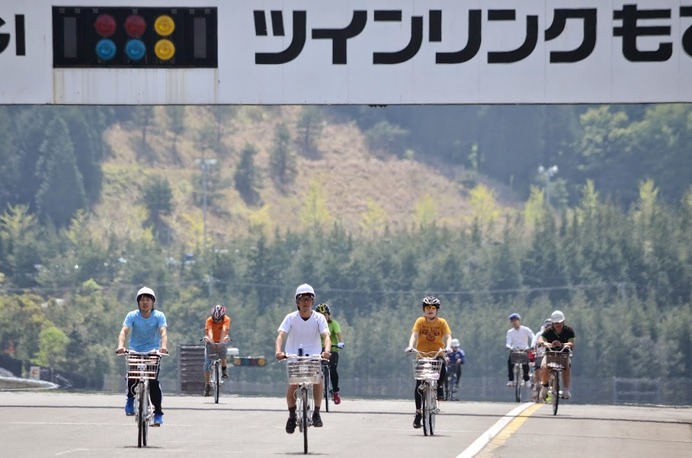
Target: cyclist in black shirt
558, 336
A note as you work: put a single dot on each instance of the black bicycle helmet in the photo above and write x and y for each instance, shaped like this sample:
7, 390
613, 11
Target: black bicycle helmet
431, 300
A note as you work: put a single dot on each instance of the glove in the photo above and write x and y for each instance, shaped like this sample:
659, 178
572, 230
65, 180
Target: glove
340, 345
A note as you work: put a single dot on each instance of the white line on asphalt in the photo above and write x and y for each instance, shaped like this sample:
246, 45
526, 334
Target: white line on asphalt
487, 436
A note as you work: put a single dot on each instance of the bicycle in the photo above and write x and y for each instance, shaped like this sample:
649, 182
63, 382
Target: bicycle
215, 380
518, 358
143, 366
426, 368
325, 382
556, 361
451, 383
304, 371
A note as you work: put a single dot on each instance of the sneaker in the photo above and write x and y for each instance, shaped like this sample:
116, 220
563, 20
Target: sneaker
337, 398
566, 394
510, 384
158, 419
291, 424
130, 407
224, 372
417, 420
207, 390
316, 419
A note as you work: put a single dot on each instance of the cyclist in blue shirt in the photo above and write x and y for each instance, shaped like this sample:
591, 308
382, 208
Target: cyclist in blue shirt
455, 358
147, 329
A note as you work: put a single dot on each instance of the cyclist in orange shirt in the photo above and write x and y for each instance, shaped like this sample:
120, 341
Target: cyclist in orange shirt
216, 339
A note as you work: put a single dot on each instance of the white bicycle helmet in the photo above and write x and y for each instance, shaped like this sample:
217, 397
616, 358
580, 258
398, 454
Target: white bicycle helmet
455, 342
304, 289
557, 317
145, 290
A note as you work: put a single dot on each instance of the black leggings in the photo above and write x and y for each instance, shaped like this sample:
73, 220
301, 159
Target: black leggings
440, 389
333, 374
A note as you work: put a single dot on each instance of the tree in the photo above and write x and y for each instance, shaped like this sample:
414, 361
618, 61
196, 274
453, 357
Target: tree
52, 345
61, 192
176, 114
314, 213
385, 137
246, 176
282, 164
157, 197
310, 126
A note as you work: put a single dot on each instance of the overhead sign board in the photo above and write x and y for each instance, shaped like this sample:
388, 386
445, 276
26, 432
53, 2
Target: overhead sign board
98, 52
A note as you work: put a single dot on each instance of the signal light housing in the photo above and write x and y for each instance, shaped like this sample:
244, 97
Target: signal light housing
92, 37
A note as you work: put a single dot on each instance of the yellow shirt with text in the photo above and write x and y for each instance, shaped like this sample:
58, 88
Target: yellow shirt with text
430, 333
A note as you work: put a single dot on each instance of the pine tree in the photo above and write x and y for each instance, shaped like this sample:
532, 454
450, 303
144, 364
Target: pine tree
61, 190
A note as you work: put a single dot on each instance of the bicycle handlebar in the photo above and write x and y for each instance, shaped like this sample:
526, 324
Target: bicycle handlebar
141, 353
303, 358
426, 354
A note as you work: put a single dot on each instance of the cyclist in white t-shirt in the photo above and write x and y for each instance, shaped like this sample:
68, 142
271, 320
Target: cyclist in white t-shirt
303, 329
518, 337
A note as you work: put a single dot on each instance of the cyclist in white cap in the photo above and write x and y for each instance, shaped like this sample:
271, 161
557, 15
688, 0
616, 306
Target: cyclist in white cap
556, 337
302, 330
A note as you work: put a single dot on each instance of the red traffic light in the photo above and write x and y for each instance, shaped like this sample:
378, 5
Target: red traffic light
135, 25
105, 25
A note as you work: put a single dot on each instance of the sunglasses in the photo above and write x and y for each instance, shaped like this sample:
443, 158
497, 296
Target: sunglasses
430, 307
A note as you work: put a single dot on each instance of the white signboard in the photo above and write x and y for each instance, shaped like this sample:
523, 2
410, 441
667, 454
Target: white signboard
377, 52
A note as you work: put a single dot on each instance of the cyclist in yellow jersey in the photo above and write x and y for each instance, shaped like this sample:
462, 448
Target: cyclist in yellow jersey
430, 333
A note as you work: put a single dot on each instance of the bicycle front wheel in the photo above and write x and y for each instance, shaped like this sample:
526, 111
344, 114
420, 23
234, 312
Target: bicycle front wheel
517, 384
304, 417
217, 382
325, 385
555, 389
142, 420
428, 409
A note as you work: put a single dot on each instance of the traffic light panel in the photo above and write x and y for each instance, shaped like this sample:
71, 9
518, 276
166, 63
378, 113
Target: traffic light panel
115, 37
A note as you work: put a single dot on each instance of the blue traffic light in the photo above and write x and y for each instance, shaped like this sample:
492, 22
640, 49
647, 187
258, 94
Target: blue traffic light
135, 50
105, 49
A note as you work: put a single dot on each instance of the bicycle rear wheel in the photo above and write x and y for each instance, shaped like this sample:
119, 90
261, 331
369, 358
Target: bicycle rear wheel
517, 384
555, 389
325, 385
217, 381
142, 420
304, 417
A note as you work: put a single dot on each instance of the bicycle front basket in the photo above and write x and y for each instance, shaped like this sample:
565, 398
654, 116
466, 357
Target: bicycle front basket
556, 358
304, 371
427, 368
519, 357
142, 366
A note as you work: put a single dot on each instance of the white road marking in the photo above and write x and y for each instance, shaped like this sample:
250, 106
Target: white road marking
488, 435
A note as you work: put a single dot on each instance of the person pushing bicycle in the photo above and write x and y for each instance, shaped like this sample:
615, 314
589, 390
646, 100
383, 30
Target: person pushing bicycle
337, 344
429, 334
148, 332
302, 330
216, 339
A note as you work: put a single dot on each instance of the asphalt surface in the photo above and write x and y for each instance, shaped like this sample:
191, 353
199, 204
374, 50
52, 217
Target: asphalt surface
53, 423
